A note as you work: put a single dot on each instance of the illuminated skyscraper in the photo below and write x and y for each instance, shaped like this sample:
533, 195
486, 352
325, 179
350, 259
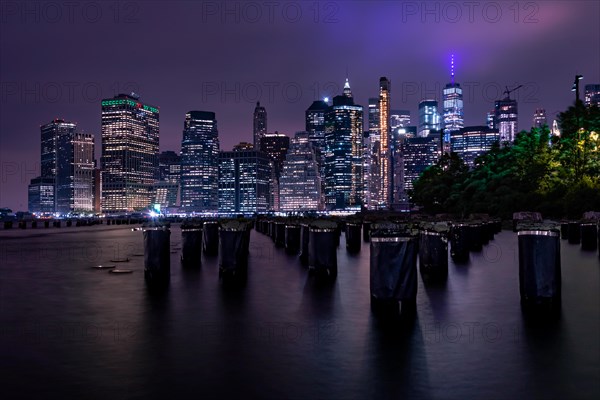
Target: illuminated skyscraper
166, 189
539, 118
429, 117
592, 95
385, 149
315, 126
419, 153
260, 124
75, 173
200, 162
300, 182
399, 119
49, 136
490, 119
506, 119
372, 164
275, 145
244, 177
67, 161
315, 123
130, 135
453, 106
41, 195
344, 159
473, 141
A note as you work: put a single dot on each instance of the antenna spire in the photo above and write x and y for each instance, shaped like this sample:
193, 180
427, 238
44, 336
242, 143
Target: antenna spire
452, 68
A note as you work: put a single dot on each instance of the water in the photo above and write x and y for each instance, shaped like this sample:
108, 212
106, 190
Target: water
70, 331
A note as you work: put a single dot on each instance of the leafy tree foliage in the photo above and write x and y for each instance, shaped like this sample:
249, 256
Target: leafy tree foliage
556, 176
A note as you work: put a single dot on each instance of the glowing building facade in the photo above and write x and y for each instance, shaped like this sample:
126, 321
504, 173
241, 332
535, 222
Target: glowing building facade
130, 136
300, 182
506, 119
385, 149
429, 117
472, 142
244, 177
200, 162
259, 124
344, 152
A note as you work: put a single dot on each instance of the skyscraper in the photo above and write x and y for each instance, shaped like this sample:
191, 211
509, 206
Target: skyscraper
399, 119
166, 190
260, 124
385, 153
200, 162
592, 95
506, 119
130, 136
453, 106
473, 141
372, 150
40, 195
49, 136
244, 181
419, 153
315, 123
74, 173
275, 145
67, 162
343, 160
429, 117
539, 118
300, 182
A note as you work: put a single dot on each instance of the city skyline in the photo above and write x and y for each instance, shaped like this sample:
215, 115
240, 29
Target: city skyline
533, 49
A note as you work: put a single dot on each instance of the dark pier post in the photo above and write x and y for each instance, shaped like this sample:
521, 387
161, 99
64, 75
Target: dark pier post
539, 265
574, 232
191, 244
459, 242
157, 255
322, 253
589, 236
366, 231
393, 268
280, 234
433, 251
353, 237
292, 238
304, 240
234, 240
210, 238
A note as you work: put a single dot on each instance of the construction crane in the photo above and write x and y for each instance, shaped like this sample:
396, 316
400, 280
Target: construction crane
508, 92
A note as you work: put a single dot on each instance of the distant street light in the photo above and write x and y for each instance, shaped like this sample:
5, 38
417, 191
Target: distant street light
575, 87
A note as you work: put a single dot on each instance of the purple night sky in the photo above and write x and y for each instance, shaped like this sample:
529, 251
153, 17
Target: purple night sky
59, 59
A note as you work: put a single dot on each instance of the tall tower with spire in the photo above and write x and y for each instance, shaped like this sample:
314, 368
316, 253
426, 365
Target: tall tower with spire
347, 90
344, 187
260, 124
452, 106
385, 153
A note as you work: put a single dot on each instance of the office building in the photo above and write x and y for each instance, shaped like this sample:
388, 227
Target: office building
418, 154
244, 177
506, 119
539, 118
344, 159
473, 141
259, 124
300, 182
429, 117
592, 95
200, 162
130, 146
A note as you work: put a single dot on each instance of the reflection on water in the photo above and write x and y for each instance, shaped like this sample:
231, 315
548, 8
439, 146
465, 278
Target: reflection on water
93, 334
